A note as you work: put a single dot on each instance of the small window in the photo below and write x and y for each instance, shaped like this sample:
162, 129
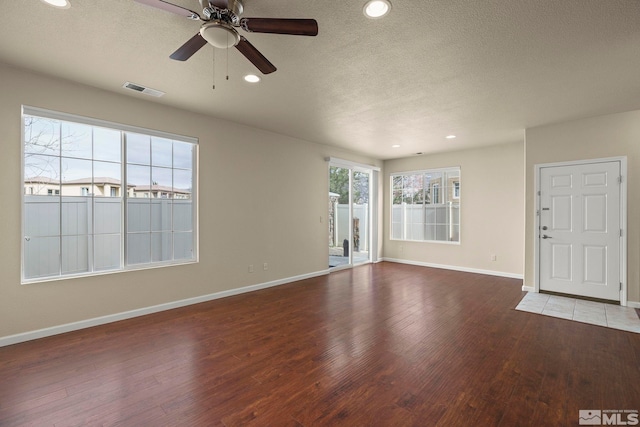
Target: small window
84, 191
435, 190
114, 191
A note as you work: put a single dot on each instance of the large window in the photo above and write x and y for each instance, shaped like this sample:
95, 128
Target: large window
103, 197
426, 205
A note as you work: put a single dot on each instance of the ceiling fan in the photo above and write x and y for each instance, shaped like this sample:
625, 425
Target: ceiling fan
220, 18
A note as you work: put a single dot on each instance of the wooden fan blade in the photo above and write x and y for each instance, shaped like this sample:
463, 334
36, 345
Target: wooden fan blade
170, 7
255, 57
297, 27
187, 50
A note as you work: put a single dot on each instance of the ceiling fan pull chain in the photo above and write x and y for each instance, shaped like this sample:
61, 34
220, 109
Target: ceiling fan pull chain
213, 68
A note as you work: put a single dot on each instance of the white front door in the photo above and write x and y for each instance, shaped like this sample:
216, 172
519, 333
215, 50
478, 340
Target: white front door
579, 235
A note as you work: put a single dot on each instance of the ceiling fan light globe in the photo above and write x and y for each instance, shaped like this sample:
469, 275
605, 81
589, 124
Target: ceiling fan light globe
219, 35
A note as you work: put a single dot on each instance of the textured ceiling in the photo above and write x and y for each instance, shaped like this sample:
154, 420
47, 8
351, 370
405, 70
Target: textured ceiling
483, 70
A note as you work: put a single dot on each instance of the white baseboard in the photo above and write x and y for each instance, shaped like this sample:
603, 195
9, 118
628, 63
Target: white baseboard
456, 268
68, 327
528, 288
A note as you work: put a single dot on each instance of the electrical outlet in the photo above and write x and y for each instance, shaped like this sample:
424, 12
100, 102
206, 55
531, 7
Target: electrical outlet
265, 266
494, 257
250, 268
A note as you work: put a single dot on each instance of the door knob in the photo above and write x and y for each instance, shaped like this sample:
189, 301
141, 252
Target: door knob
544, 227
544, 236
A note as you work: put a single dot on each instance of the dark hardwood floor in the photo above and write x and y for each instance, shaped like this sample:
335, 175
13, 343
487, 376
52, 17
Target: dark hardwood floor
378, 345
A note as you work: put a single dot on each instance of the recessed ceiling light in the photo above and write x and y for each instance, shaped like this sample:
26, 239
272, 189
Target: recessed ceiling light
60, 4
375, 9
251, 78
450, 136
395, 146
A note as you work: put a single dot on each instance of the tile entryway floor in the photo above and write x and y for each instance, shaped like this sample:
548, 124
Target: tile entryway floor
595, 313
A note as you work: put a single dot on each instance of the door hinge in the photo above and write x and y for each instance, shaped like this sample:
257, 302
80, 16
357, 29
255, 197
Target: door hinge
538, 193
621, 232
620, 285
620, 179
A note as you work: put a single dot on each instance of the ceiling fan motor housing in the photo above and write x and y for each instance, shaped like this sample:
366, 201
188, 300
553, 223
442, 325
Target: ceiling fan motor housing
214, 10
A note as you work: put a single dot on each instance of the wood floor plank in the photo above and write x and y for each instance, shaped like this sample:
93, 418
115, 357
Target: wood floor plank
384, 344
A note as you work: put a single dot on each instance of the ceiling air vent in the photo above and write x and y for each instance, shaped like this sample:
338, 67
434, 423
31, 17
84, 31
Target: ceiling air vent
142, 89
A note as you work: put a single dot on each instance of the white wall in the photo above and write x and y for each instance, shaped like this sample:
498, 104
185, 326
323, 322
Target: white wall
599, 137
492, 211
245, 177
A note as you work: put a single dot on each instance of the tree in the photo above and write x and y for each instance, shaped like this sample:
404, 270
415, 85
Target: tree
339, 184
42, 143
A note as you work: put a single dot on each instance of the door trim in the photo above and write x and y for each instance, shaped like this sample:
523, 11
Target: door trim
623, 218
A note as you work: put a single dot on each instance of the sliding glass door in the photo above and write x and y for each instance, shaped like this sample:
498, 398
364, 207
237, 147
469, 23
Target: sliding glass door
360, 216
349, 215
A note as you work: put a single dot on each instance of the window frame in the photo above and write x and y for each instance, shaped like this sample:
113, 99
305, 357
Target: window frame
443, 193
123, 196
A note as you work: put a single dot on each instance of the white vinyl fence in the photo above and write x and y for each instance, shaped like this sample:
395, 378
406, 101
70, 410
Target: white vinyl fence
341, 230
59, 240
425, 222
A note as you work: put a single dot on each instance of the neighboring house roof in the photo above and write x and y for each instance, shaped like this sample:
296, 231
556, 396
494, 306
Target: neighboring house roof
40, 180
103, 181
161, 188
97, 181
88, 181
